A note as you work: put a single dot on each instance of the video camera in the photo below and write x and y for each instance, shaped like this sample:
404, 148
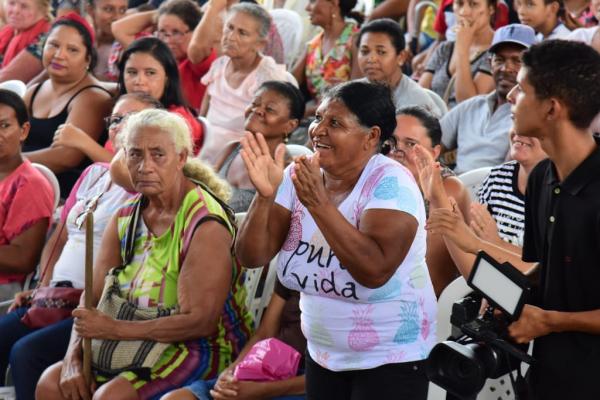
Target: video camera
482, 349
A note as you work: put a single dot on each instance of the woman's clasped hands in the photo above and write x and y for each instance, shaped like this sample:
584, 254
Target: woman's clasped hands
308, 181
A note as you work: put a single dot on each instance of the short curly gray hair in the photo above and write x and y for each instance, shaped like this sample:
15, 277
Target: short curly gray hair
257, 12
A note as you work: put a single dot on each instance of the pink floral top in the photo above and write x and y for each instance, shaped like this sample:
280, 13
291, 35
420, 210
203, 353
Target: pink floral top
324, 71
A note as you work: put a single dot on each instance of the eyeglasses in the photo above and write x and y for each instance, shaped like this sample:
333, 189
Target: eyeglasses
393, 145
176, 36
114, 120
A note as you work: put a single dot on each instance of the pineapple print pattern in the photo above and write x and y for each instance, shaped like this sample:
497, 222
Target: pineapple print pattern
391, 289
366, 192
389, 189
425, 321
295, 234
363, 336
409, 328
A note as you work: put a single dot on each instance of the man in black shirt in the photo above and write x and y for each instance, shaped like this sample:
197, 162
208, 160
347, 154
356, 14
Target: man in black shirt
556, 99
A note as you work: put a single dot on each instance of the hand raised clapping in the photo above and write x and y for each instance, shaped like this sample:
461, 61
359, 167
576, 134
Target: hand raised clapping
265, 172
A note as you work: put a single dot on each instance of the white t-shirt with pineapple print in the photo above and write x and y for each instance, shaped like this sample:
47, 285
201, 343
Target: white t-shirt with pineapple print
349, 326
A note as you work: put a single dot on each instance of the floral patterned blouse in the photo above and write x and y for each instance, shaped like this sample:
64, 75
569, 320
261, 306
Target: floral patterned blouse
324, 71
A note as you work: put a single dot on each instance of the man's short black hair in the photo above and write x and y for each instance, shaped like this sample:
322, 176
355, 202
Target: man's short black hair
568, 71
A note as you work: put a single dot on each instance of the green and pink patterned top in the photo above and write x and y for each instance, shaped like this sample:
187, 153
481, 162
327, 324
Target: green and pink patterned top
150, 280
325, 71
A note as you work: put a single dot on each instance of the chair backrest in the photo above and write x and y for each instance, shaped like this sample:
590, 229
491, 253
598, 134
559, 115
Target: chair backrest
494, 389
257, 304
15, 86
262, 303
290, 27
439, 102
49, 175
296, 150
419, 14
252, 280
473, 180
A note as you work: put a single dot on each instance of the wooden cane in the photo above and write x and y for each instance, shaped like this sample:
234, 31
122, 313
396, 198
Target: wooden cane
89, 291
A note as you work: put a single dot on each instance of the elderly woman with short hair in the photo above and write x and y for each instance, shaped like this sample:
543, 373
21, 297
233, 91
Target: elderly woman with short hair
234, 78
348, 224
181, 258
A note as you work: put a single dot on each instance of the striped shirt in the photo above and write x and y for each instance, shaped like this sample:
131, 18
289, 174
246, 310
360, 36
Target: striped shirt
506, 204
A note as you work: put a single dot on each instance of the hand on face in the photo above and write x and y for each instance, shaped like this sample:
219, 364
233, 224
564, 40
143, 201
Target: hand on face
428, 173
465, 33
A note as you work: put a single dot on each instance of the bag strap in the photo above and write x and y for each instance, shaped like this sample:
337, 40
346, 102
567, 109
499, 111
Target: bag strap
62, 227
47, 266
130, 236
228, 210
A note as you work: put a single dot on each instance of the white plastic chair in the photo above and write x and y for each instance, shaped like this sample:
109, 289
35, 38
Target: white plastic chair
473, 180
439, 102
256, 305
49, 175
290, 27
296, 150
494, 389
261, 303
7, 393
15, 86
252, 278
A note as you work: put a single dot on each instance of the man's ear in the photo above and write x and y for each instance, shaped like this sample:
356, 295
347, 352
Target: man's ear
555, 109
401, 58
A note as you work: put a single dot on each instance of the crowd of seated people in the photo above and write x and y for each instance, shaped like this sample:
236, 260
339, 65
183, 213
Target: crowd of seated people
163, 119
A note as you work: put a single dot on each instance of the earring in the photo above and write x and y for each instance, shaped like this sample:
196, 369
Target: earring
286, 138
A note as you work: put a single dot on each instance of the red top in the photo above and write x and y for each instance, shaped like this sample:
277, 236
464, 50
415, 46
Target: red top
26, 197
195, 126
190, 75
440, 25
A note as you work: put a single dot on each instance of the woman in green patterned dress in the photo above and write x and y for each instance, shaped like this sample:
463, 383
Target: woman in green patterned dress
182, 257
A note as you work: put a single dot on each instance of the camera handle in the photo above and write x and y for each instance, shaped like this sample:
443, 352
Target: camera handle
518, 354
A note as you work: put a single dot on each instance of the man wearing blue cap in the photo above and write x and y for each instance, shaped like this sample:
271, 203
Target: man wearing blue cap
478, 127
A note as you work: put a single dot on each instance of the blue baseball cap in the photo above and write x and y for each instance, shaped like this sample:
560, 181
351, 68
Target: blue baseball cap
514, 33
